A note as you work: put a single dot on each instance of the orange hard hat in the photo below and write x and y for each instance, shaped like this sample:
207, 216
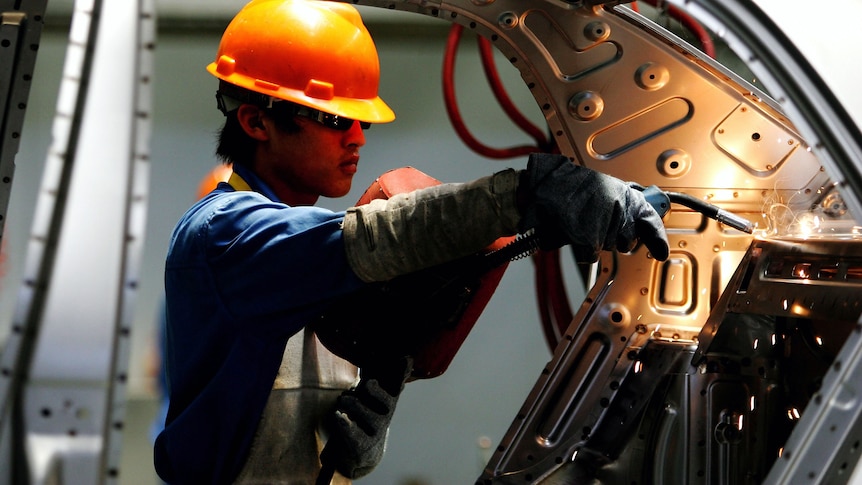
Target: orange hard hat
312, 52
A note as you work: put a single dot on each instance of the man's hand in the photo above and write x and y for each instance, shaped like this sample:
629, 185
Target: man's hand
360, 423
569, 204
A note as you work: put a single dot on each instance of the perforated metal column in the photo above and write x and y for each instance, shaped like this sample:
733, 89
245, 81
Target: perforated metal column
64, 366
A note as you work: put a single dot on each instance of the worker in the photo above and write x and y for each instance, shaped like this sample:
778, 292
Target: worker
253, 396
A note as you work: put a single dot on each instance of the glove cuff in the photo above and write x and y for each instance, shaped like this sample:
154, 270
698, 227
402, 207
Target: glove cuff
408, 232
546, 171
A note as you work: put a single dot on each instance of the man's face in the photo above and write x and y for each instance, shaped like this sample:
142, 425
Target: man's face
316, 161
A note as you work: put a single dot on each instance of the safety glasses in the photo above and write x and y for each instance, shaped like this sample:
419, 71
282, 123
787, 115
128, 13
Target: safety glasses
328, 120
230, 97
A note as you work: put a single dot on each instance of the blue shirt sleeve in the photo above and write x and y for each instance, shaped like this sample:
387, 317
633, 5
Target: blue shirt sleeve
242, 275
267, 257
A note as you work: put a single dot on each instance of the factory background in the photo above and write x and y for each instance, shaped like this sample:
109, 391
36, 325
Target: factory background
445, 428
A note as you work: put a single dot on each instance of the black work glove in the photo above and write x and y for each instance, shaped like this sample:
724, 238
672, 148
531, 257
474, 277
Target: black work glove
569, 204
360, 423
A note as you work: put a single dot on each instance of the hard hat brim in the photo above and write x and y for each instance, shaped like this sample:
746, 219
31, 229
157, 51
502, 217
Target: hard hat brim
371, 110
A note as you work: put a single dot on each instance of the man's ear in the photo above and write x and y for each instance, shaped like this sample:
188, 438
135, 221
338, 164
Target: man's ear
250, 118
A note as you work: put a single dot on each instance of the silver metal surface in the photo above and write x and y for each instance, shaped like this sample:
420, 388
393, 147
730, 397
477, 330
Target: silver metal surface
20, 31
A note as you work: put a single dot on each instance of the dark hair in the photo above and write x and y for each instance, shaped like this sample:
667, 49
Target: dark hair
234, 144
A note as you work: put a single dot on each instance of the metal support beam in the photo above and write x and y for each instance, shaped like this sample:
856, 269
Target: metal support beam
65, 364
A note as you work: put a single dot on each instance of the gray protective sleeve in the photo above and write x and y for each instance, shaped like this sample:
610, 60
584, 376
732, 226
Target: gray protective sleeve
426, 227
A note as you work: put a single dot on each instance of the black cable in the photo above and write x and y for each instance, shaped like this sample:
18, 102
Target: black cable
712, 211
327, 472
705, 208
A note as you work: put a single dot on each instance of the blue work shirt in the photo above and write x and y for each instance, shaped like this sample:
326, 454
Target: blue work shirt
244, 272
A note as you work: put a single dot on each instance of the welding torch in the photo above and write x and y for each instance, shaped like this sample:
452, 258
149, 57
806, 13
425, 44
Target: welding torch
660, 200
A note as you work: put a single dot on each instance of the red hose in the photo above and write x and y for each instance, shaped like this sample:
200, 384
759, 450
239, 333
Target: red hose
706, 43
455, 115
695, 27
554, 309
509, 108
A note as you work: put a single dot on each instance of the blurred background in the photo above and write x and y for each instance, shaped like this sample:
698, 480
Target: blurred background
445, 428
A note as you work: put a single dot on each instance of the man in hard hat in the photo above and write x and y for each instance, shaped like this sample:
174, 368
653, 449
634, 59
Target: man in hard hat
253, 397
